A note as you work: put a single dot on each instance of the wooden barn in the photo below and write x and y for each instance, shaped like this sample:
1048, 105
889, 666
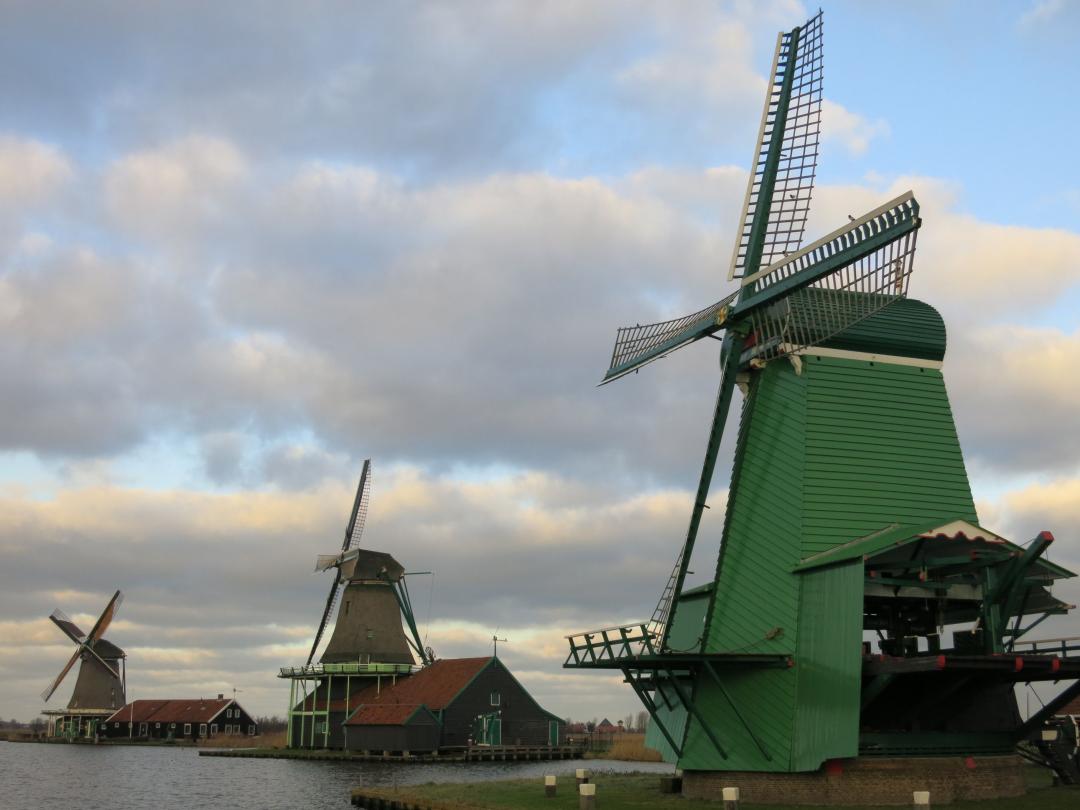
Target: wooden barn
179, 720
451, 702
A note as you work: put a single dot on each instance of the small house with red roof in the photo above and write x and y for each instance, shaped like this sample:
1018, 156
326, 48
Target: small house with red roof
452, 702
179, 720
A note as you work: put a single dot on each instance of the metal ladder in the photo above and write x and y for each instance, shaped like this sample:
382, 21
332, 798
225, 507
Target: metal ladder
662, 613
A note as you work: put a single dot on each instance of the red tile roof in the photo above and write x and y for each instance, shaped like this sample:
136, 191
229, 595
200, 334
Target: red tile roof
393, 714
170, 711
434, 686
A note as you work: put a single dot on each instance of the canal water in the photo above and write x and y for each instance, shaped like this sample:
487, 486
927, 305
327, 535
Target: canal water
124, 777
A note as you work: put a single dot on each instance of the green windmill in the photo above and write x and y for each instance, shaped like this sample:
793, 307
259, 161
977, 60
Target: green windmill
849, 514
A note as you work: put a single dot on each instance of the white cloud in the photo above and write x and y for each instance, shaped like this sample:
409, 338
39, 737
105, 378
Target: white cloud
166, 191
853, 131
30, 171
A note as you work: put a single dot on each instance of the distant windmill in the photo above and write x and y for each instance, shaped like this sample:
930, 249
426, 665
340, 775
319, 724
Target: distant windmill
374, 599
99, 687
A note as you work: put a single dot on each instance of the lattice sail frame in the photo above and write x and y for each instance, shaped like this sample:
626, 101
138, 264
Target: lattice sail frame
789, 201
632, 342
799, 318
353, 530
842, 298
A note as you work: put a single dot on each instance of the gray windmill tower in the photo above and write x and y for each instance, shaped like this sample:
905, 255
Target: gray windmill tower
99, 687
368, 643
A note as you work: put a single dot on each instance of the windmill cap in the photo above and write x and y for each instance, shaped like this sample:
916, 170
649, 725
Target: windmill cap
373, 565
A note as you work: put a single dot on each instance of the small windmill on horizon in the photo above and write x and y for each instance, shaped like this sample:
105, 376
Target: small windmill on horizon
101, 682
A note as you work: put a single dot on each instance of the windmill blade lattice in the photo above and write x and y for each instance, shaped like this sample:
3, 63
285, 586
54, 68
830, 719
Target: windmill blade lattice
784, 191
69, 628
874, 257
105, 619
353, 532
52, 687
355, 529
639, 345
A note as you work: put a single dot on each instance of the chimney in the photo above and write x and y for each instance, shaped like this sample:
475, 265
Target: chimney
220, 696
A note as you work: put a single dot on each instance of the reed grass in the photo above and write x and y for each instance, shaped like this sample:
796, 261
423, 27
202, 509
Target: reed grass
631, 748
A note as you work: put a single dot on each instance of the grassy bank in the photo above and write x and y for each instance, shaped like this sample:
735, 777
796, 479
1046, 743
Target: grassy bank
641, 791
275, 739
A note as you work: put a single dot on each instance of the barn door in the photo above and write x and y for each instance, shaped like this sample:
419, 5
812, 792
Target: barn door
553, 732
495, 731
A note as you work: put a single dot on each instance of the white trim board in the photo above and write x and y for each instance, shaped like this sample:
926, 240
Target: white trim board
888, 359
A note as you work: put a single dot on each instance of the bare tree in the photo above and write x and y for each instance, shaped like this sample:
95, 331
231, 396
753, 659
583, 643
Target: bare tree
642, 721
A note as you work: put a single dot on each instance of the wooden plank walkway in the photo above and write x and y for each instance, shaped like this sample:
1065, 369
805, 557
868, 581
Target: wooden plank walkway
482, 753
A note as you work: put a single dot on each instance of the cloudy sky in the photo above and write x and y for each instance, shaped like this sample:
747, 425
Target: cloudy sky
245, 246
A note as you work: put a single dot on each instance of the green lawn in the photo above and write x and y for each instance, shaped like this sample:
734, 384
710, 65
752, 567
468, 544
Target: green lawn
632, 791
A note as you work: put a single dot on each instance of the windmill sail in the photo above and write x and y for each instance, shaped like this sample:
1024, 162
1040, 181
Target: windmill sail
782, 178
69, 628
360, 508
835, 282
52, 687
850, 274
353, 530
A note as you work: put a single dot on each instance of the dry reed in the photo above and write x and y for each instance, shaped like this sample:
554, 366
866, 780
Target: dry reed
631, 747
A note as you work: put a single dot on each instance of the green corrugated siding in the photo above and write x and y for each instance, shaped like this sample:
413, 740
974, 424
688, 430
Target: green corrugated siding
688, 623
881, 448
823, 457
755, 592
828, 666
766, 700
674, 720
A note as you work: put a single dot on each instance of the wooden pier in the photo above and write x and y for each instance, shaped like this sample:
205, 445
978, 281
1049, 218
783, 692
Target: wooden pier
476, 753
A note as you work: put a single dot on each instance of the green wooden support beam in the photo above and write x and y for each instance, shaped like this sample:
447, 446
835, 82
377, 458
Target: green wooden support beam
688, 704
1047, 711
650, 707
723, 691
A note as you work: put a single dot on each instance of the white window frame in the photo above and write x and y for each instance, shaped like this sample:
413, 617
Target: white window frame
187, 729
202, 729
251, 730
495, 698
213, 729
157, 725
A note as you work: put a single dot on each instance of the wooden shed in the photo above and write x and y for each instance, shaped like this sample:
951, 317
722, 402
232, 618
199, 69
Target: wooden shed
453, 702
